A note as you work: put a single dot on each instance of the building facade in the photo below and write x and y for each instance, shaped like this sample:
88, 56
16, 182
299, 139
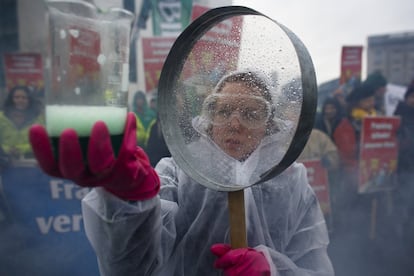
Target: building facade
393, 55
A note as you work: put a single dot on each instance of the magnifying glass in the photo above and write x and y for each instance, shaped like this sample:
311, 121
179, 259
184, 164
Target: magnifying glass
237, 98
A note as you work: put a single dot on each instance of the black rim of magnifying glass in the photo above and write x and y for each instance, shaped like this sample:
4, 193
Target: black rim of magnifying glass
181, 49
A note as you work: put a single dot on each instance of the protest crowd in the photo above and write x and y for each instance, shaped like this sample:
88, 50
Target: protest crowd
359, 162
360, 219
368, 210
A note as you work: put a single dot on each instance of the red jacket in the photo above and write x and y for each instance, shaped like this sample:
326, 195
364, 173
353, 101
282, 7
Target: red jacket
346, 142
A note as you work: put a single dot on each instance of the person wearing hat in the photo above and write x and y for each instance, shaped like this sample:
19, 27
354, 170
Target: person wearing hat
378, 83
352, 209
360, 102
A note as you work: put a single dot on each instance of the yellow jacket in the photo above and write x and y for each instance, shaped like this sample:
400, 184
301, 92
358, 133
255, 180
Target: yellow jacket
142, 133
13, 138
359, 113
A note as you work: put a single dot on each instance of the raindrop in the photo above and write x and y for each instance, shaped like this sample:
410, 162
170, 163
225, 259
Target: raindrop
62, 34
101, 59
58, 78
77, 91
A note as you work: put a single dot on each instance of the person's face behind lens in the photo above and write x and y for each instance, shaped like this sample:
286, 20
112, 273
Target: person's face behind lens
233, 137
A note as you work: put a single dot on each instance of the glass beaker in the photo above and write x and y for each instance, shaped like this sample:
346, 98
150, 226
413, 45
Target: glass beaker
87, 69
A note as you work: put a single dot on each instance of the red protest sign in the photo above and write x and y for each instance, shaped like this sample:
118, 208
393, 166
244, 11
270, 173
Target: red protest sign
155, 51
351, 63
318, 179
197, 11
216, 51
378, 153
24, 69
85, 46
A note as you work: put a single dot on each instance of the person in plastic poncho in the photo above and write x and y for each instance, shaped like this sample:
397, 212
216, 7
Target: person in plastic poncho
142, 221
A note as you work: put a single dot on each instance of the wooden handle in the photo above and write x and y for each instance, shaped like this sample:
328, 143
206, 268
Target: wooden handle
238, 237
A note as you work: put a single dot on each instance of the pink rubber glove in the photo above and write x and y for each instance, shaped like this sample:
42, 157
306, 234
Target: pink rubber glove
240, 261
129, 176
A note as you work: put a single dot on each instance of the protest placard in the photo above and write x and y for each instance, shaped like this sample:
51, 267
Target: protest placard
318, 179
378, 154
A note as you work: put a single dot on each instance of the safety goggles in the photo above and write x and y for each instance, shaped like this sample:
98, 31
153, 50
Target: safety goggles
251, 111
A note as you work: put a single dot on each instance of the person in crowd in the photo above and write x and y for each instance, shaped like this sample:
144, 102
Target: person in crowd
379, 84
145, 115
405, 169
361, 103
142, 221
320, 146
330, 116
154, 102
345, 130
20, 110
340, 96
334, 113
405, 109
156, 147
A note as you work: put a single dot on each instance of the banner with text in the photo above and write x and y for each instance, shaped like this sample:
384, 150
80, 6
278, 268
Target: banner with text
378, 154
24, 69
47, 213
318, 179
351, 64
155, 51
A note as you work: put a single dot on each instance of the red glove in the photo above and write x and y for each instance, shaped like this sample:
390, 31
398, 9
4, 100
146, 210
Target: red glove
241, 261
129, 177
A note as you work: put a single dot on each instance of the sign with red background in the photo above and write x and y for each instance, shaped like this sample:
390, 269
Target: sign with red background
23, 69
210, 53
217, 50
155, 51
351, 63
85, 47
318, 179
378, 153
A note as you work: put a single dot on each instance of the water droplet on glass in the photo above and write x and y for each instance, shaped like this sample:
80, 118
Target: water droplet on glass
101, 59
62, 34
77, 91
